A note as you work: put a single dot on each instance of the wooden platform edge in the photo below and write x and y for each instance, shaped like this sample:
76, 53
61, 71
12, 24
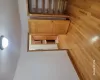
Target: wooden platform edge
46, 15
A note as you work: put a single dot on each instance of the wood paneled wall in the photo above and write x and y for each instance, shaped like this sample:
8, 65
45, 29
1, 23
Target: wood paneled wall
48, 26
83, 38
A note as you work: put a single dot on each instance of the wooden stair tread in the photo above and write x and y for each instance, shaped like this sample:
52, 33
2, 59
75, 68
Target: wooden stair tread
46, 15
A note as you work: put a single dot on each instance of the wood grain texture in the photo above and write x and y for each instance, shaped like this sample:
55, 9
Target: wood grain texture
47, 15
43, 6
49, 6
83, 39
36, 5
83, 53
48, 26
38, 37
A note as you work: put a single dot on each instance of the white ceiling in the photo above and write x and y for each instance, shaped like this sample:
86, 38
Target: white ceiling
11, 29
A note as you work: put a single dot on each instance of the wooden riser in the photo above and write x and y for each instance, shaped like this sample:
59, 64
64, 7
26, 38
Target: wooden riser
48, 26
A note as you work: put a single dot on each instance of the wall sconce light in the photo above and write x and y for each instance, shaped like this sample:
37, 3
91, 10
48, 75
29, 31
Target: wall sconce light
3, 42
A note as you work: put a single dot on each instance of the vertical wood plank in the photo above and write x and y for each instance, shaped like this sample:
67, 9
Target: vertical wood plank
43, 6
29, 6
58, 8
46, 6
61, 6
65, 6
36, 6
55, 6
49, 6
54, 1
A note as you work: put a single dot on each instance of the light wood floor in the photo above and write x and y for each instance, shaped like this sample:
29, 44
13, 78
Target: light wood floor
83, 51
84, 37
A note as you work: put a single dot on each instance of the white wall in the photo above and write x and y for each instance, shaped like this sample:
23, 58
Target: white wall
45, 65
10, 28
24, 25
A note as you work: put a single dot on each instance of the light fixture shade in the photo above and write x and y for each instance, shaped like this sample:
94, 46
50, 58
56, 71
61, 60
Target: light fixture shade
3, 42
